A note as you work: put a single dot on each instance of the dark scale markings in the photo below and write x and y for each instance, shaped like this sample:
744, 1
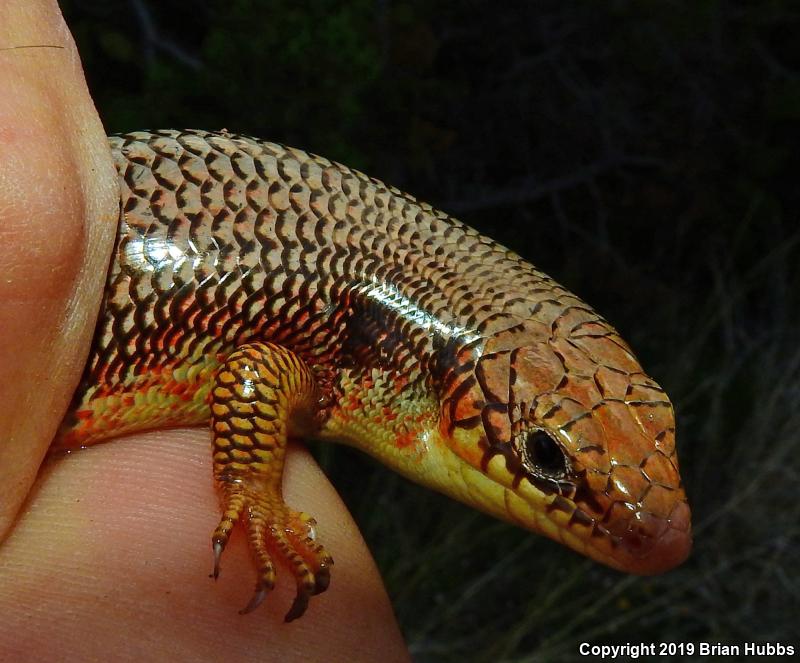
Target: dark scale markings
226, 240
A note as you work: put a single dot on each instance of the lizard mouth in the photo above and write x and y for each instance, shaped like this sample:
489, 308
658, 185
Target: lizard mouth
631, 539
626, 536
647, 544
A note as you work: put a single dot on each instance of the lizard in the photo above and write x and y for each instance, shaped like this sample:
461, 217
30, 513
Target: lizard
272, 294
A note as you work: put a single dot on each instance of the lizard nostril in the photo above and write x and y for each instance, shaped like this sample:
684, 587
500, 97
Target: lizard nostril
655, 544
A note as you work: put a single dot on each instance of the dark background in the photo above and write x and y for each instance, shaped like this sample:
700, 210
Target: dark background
645, 154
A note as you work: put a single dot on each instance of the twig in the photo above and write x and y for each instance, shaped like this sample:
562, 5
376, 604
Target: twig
530, 188
156, 40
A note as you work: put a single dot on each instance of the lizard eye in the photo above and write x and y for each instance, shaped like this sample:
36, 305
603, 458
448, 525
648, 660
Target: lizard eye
542, 455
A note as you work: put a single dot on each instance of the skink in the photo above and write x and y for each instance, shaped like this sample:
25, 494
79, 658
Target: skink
272, 294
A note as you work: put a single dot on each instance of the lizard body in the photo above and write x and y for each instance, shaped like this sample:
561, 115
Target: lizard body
276, 294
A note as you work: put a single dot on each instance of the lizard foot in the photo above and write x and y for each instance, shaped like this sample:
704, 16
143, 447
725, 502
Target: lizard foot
274, 532
262, 394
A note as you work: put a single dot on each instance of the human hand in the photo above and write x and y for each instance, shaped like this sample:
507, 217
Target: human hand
110, 554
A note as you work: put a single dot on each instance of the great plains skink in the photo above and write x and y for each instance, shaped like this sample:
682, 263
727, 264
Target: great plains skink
276, 295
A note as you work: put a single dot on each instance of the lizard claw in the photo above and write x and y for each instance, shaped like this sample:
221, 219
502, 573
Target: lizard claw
322, 578
257, 600
218, 548
298, 606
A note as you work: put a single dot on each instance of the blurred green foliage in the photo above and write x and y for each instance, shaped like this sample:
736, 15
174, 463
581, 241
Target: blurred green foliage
644, 154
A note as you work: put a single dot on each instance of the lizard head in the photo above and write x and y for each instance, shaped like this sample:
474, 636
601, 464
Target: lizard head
561, 431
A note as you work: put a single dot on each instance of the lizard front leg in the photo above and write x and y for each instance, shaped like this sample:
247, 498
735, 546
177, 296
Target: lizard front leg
264, 394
